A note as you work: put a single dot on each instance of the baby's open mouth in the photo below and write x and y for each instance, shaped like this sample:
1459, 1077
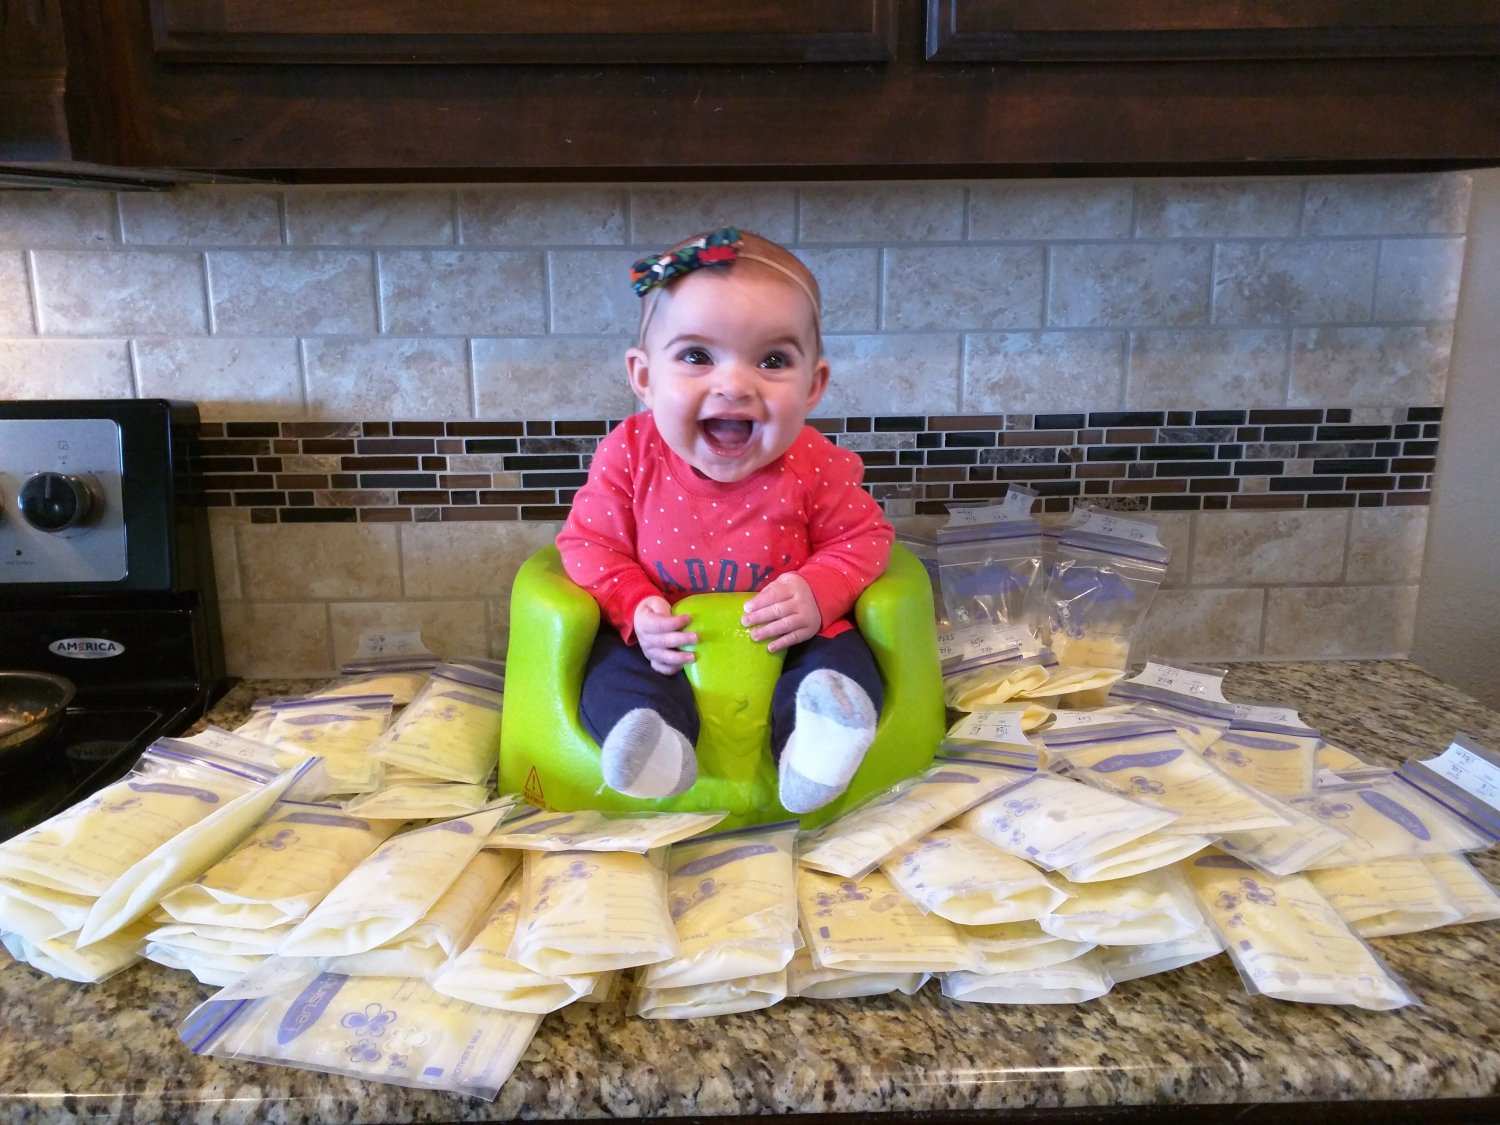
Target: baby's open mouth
727, 435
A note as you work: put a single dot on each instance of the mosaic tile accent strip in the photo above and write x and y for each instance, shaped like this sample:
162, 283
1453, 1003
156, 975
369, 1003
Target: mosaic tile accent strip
1139, 460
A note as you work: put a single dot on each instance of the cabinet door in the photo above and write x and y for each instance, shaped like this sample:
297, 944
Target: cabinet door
33, 81
522, 31
1062, 30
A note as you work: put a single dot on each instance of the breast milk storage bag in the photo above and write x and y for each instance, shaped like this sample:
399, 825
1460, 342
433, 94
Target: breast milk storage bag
391, 890
861, 839
1100, 584
484, 972
451, 730
733, 900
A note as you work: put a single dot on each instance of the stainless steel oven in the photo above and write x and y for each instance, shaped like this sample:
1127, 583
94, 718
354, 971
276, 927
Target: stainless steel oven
107, 579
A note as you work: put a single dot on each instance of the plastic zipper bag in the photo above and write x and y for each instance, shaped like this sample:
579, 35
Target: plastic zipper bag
733, 900
860, 840
451, 730
1286, 941
380, 1029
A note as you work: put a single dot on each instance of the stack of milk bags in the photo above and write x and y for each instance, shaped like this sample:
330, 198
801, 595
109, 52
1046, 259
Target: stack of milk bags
403, 736
432, 961
1168, 825
75, 890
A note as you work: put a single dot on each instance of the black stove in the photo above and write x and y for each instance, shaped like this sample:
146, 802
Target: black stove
106, 577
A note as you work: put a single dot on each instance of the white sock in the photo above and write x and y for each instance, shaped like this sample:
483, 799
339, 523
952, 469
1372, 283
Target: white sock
644, 757
835, 725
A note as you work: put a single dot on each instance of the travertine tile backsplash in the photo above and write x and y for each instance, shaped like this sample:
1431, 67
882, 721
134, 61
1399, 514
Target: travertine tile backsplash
942, 300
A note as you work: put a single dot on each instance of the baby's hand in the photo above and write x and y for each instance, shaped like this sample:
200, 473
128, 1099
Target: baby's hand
785, 613
660, 634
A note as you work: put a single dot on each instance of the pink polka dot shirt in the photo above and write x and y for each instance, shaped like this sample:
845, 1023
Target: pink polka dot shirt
646, 524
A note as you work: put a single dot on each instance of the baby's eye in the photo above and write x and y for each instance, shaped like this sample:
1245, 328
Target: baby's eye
695, 356
775, 361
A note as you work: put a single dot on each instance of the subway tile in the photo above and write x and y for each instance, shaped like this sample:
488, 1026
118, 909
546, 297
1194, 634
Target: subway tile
1242, 548
417, 216
282, 562
1266, 502
590, 294
1370, 365
277, 639
1327, 622
30, 219
881, 213
1386, 545
218, 217
663, 216
308, 292
1217, 208
386, 377
1176, 503
849, 284
1044, 373
1059, 421
892, 373
1207, 367
1201, 624
95, 368
1306, 483
310, 515
963, 287
125, 292
249, 377
1049, 209
226, 559
551, 377
450, 292
1418, 278
1307, 282
16, 318
1103, 285
467, 559
527, 215
1387, 205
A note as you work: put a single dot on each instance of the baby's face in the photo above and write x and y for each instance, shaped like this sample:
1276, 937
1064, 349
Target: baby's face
730, 369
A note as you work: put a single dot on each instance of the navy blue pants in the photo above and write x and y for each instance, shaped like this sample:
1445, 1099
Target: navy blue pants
619, 679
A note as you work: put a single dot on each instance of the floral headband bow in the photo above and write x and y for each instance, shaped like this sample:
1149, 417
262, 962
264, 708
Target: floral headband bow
713, 248
717, 247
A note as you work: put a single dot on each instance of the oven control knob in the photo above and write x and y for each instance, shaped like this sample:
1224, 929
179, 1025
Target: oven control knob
58, 501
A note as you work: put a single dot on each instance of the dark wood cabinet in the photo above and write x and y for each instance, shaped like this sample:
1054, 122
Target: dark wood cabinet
1227, 30
594, 89
585, 32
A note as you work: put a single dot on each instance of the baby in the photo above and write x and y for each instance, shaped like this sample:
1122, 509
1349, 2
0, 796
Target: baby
722, 486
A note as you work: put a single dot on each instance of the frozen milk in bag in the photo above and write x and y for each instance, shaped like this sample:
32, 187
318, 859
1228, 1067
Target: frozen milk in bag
868, 924
451, 730
591, 912
963, 878
859, 840
391, 890
1286, 941
733, 900
483, 973
1149, 762
1145, 909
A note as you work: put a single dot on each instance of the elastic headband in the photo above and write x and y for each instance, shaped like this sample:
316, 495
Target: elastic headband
718, 247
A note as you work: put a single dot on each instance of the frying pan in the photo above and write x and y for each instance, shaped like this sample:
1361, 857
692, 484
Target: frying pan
31, 707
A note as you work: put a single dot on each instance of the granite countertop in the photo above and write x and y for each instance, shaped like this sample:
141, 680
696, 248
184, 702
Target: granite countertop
1192, 1036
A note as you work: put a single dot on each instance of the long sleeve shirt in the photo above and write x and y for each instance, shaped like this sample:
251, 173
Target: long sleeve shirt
646, 524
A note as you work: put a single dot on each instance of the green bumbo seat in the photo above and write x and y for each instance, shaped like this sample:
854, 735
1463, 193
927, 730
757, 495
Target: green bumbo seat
546, 754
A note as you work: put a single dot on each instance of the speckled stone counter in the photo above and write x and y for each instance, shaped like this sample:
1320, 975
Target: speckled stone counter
1189, 1037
